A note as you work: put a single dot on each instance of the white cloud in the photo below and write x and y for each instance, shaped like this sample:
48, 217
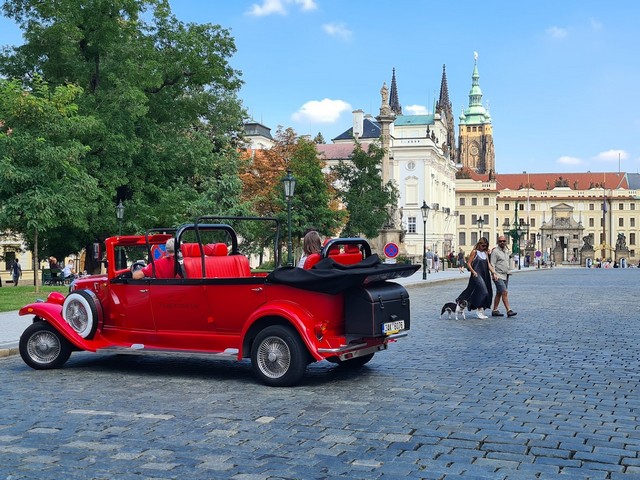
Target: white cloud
339, 30
416, 110
269, 7
307, 5
557, 32
566, 160
323, 111
612, 155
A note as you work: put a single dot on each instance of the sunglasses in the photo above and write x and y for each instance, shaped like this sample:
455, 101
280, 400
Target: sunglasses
502, 241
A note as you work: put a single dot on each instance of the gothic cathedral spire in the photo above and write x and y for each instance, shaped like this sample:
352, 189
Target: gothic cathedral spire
394, 103
443, 107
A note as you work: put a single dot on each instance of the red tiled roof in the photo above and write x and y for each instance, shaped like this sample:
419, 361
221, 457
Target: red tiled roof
575, 181
545, 181
338, 151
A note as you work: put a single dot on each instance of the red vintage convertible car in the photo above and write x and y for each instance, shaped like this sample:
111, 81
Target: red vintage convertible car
341, 310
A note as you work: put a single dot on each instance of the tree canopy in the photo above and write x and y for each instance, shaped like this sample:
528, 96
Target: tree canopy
157, 102
362, 192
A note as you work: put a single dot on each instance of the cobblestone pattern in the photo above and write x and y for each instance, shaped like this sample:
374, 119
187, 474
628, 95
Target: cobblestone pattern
550, 392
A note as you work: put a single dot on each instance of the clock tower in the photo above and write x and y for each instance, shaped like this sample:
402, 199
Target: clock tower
475, 137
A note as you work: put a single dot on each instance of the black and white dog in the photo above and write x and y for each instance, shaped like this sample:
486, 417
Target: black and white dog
454, 309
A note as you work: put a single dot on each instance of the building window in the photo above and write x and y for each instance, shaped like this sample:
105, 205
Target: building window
633, 206
506, 206
411, 224
462, 201
462, 238
632, 222
474, 219
591, 223
621, 222
474, 201
411, 191
591, 206
474, 238
532, 222
632, 240
533, 207
411, 165
521, 206
602, 222
621, 206
485, 201
506, 223
461, 220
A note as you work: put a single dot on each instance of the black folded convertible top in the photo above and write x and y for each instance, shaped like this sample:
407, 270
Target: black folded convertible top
328, 276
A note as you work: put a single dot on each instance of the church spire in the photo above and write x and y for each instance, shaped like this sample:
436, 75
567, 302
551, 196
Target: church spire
444, 108
394, 103
444, 103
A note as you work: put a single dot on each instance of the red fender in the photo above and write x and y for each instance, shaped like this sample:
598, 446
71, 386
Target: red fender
293, 313
52, 313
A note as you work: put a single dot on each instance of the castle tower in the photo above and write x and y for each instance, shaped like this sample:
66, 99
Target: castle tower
475, 132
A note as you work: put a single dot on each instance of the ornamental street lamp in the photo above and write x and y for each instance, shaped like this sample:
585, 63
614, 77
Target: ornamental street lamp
425, 213
120, 216
289, 183
480, 223
538, 249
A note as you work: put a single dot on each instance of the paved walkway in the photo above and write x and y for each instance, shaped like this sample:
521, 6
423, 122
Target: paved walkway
12, 325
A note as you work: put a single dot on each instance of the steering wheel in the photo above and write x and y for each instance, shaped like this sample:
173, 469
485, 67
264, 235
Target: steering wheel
138, 265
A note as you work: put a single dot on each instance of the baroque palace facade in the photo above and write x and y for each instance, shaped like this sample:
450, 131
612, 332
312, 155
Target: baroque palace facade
560, 217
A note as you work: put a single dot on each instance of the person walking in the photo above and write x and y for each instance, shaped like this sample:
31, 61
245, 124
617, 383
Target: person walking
16, 272
500, 261
479, 291
429, 256
461, 261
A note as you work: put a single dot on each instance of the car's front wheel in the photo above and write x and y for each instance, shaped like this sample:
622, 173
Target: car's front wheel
278, 356
42, 347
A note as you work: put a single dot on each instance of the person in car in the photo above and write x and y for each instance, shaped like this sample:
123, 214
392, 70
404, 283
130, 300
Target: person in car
312, 243
165, 266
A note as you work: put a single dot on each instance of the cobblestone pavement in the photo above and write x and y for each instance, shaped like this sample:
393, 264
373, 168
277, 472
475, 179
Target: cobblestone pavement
550, 392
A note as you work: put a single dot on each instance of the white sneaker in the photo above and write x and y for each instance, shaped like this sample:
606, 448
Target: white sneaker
481, 315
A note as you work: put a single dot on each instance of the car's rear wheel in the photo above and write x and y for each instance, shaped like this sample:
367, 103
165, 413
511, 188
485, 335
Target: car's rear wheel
278, 356
82, 311
42, 347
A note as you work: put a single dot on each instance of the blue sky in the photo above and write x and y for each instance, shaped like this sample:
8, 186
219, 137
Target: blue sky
558, 77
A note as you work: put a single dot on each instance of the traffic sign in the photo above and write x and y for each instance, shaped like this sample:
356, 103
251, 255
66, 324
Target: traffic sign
391, 250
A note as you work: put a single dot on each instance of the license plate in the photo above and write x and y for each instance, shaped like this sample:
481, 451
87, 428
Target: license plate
392, 327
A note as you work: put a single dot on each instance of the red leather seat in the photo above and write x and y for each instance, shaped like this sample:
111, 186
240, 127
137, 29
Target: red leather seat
311, 260
351, 255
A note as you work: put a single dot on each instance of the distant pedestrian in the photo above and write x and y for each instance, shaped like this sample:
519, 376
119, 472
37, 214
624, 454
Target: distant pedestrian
461, 260
500, 261
16, 272
479, 292
436, 262
429, 257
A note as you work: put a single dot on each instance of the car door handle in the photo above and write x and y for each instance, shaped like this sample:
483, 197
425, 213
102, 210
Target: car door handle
144, 290
259, 289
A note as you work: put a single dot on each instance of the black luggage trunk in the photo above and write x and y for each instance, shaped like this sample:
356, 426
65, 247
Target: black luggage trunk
368, 308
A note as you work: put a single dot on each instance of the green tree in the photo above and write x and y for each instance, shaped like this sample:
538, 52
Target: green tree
43, 180
163, 98
362, 192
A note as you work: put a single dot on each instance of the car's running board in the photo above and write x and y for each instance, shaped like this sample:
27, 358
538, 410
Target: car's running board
139, 349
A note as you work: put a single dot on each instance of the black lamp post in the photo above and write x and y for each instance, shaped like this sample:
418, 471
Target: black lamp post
425, 213
289, 183
480, 223
120, 216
